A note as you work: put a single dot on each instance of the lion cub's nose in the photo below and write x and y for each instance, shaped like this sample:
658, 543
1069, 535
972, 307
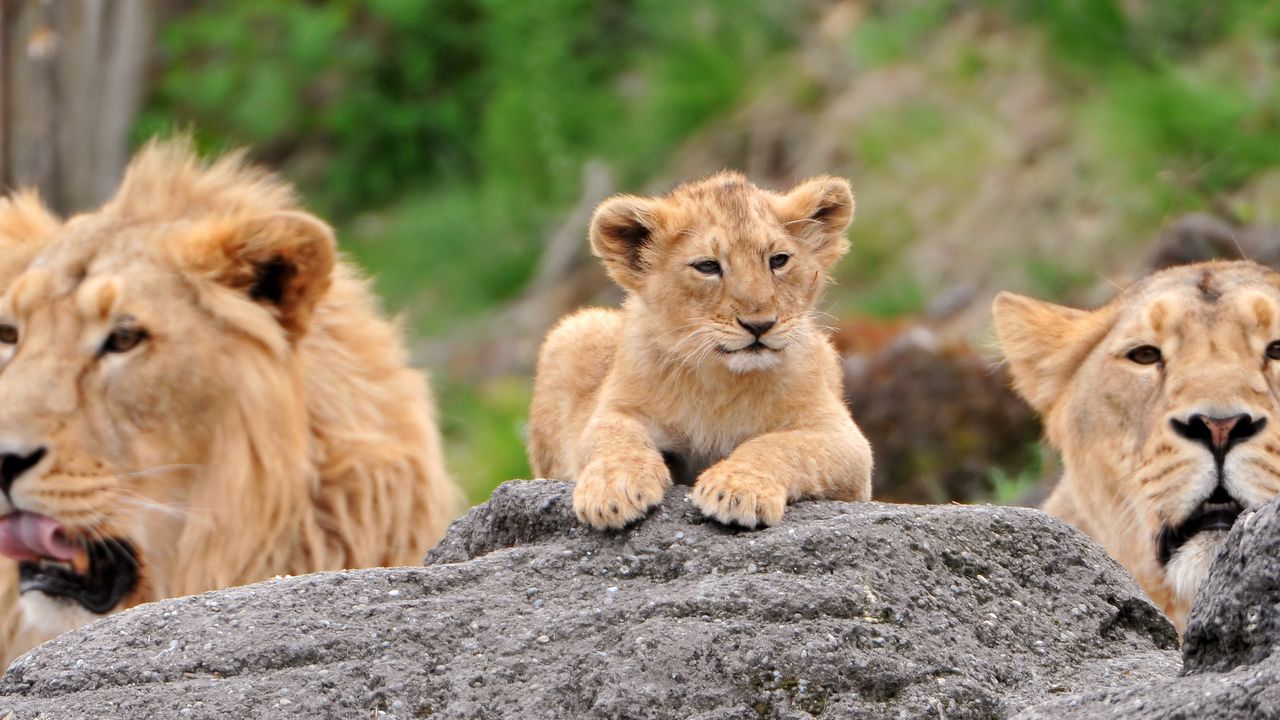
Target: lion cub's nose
757, 327
1219, 434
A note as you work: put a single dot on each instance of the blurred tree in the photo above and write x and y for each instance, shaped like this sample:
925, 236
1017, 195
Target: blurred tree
71, 83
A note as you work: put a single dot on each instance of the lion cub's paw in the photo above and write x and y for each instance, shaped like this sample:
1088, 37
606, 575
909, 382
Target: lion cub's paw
734, 494
615, 493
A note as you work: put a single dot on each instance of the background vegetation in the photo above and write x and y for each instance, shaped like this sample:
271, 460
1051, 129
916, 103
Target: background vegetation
1032, 144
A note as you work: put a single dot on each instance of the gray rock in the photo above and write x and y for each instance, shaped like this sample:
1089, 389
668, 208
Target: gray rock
1236, 617
844, 610
1229, 670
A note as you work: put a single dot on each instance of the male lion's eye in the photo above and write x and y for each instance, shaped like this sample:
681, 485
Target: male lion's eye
706, 267
1273, 350
778, 260
1145, 355
123, 339
8, 335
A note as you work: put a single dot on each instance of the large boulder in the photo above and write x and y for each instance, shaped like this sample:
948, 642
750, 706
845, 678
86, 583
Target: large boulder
843, 610
1230, 668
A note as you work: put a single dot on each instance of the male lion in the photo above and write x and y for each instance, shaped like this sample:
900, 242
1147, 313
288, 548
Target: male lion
196, 392
1162, 403
713, 369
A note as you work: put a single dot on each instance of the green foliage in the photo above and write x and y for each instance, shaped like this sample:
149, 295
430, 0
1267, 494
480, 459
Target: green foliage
894, 295
1011, 488
1052, 280
897, 28
445, 138
459, 128
1188, 131
445, 255
484, 433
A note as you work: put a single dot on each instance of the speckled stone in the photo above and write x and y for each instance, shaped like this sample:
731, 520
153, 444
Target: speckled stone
844, 610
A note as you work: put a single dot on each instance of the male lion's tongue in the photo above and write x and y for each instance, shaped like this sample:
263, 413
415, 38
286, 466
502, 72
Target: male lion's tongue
28, 536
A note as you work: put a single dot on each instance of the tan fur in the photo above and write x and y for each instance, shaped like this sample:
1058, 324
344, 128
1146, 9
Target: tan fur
615, 391
1129, 473
268, 424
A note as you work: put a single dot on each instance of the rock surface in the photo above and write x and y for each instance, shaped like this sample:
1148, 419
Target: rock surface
844, 610
1230, 668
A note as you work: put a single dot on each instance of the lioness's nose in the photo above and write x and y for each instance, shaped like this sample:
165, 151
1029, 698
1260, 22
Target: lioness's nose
13, 465
757, 327
1219, 434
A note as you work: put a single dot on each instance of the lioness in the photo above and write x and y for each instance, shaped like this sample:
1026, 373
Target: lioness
196, 392
714, 363
1163, 404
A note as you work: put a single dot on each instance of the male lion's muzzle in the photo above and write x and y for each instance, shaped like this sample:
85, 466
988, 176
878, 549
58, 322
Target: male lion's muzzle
97, 574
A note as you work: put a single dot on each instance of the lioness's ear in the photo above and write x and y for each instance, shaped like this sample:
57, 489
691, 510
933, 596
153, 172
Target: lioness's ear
1045, 344
819, 211
284, 260
622, 233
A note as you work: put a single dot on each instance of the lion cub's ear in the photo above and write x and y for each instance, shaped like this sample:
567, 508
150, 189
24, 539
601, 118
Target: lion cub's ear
283, 260
819, 211
1045, 344
622, 234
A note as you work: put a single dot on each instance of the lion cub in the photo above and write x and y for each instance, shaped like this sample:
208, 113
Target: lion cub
713, 368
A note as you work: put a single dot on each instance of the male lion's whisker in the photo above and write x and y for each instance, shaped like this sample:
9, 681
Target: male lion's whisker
158, 469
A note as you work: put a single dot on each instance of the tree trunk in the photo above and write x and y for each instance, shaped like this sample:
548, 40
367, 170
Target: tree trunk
71, 81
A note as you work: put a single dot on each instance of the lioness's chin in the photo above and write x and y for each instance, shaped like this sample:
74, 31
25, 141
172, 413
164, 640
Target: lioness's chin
48, 615
1187, 569
745, 361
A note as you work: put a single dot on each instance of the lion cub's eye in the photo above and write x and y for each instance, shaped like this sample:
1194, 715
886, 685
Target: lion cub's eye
8, 334
1273, 350
706, 267
1145, 355
123, 339
778, 261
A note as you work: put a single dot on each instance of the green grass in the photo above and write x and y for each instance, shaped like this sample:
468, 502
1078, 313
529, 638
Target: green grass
445, 255
483, 428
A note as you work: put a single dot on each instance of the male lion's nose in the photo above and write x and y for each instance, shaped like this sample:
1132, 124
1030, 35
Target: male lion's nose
13, 465
757, 327
1219, 434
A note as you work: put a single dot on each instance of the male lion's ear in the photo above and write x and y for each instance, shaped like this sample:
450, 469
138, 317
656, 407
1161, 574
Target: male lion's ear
284, 260
622, 233
1045, 344
25, 220
819, 211
25, 226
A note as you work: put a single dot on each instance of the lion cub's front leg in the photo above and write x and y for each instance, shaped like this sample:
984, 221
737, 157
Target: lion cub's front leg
753, 485
621, 473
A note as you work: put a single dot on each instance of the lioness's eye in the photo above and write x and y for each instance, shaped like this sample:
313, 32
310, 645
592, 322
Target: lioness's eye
778, 260
706, 267
123, 339
8, 334
1145, 355
1273, 350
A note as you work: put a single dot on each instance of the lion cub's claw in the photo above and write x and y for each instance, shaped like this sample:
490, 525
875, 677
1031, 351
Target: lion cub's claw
739, 496
611, 495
